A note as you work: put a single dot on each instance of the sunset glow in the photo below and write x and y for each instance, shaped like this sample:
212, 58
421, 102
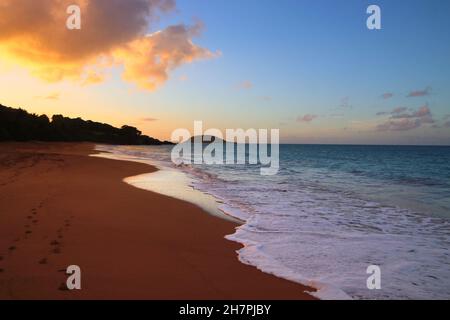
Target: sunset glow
330, 81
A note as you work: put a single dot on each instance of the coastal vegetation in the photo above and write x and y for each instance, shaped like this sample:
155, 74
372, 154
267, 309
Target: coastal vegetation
19, 125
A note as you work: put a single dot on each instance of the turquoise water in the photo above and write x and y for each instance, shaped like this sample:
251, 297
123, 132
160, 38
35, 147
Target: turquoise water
334, 210
414, 177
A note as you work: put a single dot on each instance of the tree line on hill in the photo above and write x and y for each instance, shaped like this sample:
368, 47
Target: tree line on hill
19, 125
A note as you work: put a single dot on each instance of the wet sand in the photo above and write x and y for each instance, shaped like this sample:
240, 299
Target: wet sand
60, 207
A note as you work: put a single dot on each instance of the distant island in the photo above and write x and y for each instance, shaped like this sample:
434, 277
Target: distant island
19, 125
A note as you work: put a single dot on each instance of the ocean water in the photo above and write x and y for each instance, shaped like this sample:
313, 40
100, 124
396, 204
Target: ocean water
330, 213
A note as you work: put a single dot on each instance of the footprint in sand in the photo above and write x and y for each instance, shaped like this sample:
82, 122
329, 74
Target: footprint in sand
28, 232
67, 223
12, 248
1, 269
43, 261
35, 221
56, 250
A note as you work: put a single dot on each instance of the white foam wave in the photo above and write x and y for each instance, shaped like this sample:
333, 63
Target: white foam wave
302, 231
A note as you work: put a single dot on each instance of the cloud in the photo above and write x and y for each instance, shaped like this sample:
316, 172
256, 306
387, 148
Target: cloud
444, 125
52, 96
149, 119
307, 118
420, 93
402, 121
33, 35
445, 122
399, 125
246, 85
422, 112
148, 60
345, 103
394, 112
399, 110
387, 95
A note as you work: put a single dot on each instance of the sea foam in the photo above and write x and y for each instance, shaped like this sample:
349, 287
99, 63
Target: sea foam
316, 226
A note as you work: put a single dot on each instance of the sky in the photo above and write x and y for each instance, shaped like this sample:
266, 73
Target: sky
310, 68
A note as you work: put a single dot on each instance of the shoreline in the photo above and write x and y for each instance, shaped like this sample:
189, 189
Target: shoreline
170, 183
179, 184
61, 207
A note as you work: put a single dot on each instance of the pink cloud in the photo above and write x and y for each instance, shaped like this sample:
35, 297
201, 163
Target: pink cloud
245, 85
420, 93
307, 118
399, 125
422, 112
387, 95
401, 121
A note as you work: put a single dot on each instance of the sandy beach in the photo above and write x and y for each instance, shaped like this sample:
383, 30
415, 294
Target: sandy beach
60, 207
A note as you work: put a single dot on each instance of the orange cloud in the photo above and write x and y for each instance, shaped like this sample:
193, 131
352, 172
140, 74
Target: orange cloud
148, 60
33, 35
53, 96
246, 85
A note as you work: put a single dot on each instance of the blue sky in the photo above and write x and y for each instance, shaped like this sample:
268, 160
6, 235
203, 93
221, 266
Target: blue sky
307, 56
285, 61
